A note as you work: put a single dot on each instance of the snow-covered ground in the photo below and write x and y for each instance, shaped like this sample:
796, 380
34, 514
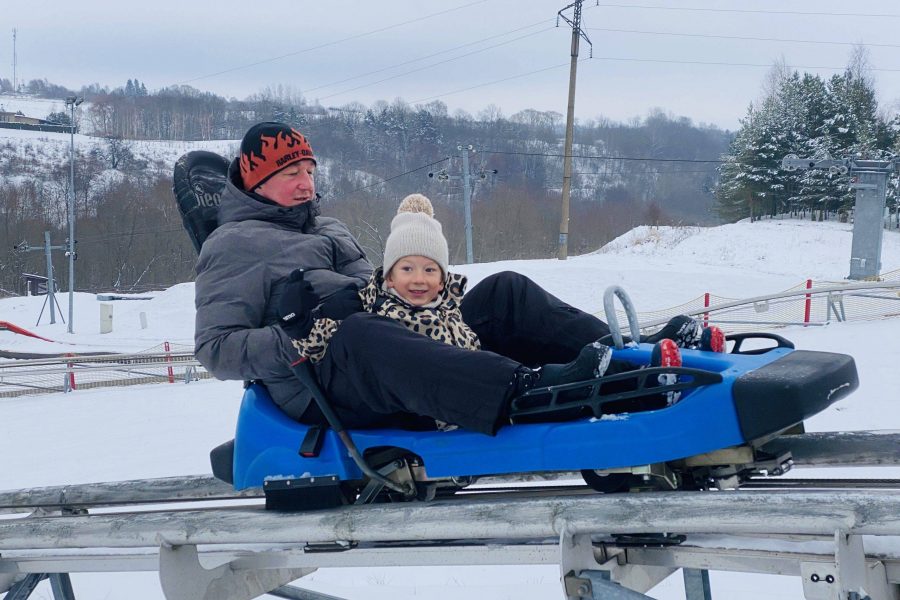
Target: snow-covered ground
162, 430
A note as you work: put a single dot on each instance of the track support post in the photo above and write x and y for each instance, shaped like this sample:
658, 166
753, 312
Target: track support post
60, 584
849, 577
183, 577
696, 584
611, 578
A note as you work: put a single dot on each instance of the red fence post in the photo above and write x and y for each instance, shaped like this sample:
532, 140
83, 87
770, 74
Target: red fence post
706, 305
169, 360
808, 302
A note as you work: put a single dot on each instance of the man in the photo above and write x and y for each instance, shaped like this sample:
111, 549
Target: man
269, 225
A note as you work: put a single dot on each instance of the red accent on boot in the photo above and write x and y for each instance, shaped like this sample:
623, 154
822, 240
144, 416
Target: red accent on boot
669, 354
716, 339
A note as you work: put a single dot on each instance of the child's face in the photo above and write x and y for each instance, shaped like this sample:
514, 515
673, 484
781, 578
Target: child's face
417, 279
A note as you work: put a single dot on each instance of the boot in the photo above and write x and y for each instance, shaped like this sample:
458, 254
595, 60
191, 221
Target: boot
712, 339
681, 329
591, 363
667, 354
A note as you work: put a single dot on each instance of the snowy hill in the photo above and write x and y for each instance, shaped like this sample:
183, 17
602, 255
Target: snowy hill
161, 430
659, 267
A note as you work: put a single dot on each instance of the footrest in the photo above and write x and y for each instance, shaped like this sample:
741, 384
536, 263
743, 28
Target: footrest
607, 395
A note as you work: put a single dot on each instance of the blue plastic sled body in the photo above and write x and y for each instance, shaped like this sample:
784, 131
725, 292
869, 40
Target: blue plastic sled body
707, 418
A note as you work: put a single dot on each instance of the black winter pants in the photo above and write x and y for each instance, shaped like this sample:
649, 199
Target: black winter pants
516, 317
378, 373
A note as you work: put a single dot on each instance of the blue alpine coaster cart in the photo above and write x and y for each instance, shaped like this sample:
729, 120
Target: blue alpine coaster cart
704, 427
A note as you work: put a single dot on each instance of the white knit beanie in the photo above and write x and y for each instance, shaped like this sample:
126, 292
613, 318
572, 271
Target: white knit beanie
415, 232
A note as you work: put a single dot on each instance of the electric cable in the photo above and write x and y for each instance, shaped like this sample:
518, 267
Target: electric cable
751, 11
427, 56
740, 37
332, 43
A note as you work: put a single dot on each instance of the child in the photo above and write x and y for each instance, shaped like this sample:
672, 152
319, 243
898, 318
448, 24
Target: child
414, 286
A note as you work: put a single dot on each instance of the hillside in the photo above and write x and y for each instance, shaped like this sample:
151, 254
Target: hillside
660, 268
368, 159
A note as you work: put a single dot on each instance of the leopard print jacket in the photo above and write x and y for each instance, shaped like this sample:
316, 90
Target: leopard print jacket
443, 322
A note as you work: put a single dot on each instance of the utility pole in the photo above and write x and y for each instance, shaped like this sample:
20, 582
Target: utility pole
51, 287
577, 34
15, 84
72, 102
442, 175
467, 200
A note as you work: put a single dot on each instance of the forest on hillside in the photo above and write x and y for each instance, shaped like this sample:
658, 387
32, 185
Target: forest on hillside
658, 169
811, 117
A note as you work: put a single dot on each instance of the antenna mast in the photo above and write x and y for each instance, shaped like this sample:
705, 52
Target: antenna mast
15, 82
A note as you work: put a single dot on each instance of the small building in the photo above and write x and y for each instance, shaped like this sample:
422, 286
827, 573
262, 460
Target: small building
18, 120
19, 117
35, 285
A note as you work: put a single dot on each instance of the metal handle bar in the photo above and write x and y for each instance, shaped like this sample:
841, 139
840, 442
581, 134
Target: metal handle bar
612, 319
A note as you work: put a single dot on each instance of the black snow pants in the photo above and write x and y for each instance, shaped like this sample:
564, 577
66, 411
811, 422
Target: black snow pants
378, 373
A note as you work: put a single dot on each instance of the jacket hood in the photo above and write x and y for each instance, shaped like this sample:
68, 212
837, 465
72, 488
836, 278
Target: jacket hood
238, 205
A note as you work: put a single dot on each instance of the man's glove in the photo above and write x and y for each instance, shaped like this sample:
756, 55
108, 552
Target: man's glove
341, 304
296, 305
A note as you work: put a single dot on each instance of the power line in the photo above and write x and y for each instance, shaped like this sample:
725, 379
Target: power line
95, 238
740, 37
466, 45
728, 64
365, 187
332, 43
429, 66
487, 83
653, 171
601, 157
753, 11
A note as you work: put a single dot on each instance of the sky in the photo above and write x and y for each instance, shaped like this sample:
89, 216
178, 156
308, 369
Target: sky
702, 59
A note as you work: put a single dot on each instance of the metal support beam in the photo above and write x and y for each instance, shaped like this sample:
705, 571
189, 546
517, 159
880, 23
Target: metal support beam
61, 584
596, 585
696, 584
584, 576
23, 588
291, 592
183, 577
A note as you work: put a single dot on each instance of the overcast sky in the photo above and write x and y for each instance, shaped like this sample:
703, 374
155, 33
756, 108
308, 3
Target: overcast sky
702, 59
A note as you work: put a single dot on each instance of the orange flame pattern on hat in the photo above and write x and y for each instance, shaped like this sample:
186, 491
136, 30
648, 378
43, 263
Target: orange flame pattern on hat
273, 154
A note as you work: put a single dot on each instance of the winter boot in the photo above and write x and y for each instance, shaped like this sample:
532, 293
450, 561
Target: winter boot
591, 362
712, 339
667, 354
681, 329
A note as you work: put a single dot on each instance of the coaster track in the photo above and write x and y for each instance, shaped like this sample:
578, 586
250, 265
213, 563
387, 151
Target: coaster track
534, 519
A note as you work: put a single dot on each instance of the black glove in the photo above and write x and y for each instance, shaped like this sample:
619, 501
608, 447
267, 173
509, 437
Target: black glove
296, 305
341, 304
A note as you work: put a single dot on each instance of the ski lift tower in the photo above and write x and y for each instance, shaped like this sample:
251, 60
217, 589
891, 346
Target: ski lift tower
869, 178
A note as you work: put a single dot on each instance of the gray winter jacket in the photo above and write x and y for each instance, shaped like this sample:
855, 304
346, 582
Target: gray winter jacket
241, 273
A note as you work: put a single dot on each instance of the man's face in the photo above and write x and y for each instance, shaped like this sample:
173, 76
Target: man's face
292, 185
